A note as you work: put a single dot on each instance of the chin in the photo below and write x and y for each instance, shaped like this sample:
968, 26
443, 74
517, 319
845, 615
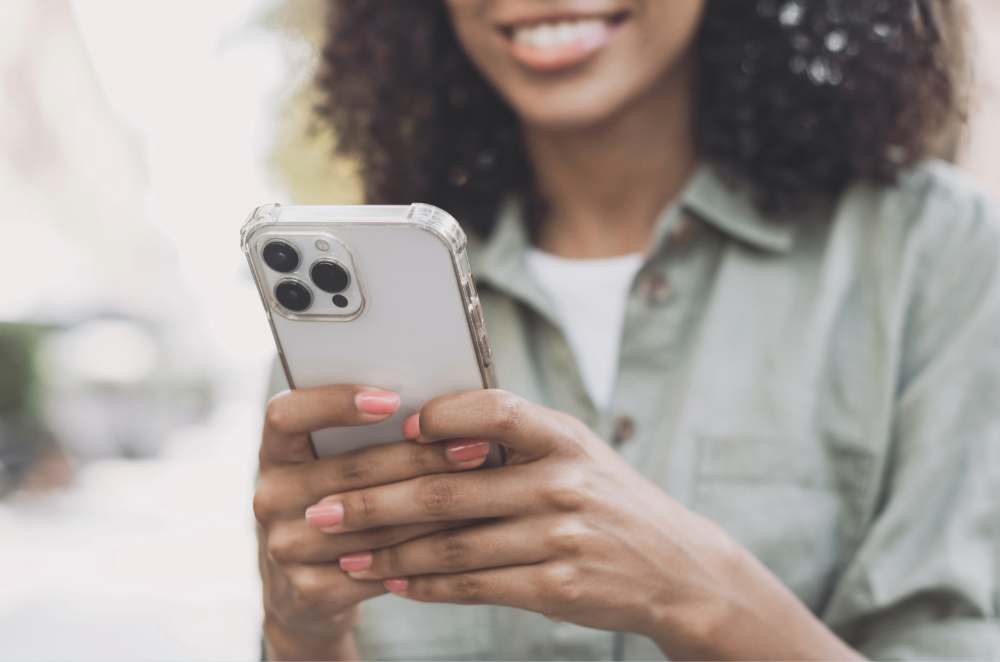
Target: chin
564, 119
567, 109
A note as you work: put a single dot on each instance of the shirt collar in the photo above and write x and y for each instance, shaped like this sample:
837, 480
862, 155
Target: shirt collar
499, 259
731, 209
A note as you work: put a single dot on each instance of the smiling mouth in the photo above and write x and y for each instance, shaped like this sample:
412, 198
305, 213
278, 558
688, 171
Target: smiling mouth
554, 44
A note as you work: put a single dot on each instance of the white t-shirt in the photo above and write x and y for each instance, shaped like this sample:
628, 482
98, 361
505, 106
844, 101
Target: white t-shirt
589, 298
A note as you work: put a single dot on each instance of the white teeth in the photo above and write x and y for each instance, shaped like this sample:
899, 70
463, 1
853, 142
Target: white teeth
545, 36
565, 33
560, 33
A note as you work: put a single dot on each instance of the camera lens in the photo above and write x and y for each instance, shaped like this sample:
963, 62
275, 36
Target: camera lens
293, 295
281, 256
330, 276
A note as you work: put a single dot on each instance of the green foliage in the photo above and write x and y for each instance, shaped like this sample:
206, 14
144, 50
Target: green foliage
19, 383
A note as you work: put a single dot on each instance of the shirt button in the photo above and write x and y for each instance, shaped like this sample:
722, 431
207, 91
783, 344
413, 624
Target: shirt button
624, 429
654, 286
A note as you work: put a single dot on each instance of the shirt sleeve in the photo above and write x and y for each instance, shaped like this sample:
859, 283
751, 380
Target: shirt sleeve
923, 584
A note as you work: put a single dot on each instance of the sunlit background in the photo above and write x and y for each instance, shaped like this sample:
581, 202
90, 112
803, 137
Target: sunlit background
135, 137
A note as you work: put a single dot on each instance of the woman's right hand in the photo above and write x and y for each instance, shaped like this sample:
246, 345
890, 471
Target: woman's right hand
311, 606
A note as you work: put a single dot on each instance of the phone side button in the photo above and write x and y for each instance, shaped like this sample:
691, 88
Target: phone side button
470, 289
476, 312
484, 347
479, 323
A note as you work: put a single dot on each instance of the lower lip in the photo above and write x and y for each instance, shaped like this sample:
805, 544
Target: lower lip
555, 58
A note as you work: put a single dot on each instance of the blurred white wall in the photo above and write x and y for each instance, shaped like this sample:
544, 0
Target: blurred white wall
65, 158
133, 142
197, 80
72, 176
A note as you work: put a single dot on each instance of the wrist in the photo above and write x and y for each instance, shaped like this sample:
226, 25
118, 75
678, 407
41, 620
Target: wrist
700, 623
284, 643
742, 611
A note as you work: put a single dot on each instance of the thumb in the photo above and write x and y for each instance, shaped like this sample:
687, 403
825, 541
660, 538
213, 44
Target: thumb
527, 429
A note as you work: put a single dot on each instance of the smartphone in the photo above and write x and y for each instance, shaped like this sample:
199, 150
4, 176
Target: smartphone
375, 295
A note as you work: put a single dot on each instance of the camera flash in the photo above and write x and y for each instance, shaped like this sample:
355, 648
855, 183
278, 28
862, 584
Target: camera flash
322, 244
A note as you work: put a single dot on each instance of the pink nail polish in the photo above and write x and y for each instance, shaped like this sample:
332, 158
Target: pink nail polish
377, 402
396, 584
411, 427
462, 450
355, 561
325, 514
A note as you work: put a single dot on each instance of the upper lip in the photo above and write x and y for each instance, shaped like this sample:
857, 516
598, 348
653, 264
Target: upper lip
508, 25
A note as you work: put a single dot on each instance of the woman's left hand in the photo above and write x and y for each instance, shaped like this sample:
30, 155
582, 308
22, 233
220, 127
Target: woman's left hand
573, 532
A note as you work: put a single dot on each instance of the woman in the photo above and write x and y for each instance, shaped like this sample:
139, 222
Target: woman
748, 336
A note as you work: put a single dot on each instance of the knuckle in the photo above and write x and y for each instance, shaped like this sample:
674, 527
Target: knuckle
265, 502
368, 507
279, 416
422, 457
360, 508
355, 471
453, 552
277, 493
562, 586
437, 495
393, 559
508, 413
467, 589
566, 491
308, 589
569, 537
282, 545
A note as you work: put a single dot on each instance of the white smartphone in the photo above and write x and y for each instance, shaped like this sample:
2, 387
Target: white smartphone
375, 295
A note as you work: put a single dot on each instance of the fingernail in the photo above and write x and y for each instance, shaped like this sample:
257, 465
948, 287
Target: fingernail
377, 402
396, 584
462, 450
325, 514
411, 427
355, 561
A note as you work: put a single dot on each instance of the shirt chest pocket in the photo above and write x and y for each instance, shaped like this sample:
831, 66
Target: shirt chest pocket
797, 503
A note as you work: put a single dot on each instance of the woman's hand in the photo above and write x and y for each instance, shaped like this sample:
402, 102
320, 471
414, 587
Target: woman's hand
310, 604
576, 534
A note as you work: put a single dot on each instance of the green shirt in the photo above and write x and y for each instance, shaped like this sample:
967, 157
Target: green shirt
825, 387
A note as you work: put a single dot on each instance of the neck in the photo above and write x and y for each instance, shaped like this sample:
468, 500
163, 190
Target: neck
605, 185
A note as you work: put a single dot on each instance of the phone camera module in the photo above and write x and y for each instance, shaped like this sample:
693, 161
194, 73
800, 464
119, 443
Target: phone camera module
293, 295
330, 276
281, 257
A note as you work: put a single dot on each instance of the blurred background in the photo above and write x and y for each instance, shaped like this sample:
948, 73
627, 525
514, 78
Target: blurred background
135, 137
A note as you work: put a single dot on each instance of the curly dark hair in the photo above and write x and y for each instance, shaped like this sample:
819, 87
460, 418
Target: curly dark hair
795, 97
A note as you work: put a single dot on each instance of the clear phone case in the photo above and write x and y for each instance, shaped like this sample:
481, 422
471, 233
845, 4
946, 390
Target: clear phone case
406, 317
